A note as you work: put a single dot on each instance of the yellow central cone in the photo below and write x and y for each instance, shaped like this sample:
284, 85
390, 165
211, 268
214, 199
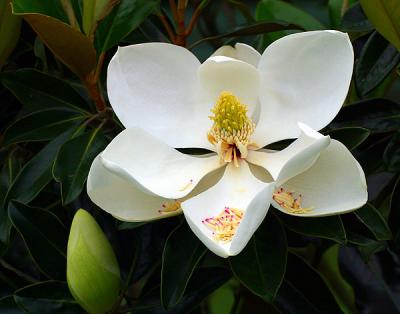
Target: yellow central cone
232, 128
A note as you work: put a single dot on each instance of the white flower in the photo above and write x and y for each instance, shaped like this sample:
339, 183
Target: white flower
164, 96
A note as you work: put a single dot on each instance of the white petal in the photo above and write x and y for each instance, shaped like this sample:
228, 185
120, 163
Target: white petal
219, 73
121, 198
241, 52
293, 160
154, 166
155, 86
126, 202
304, 77
335, 184
239, 189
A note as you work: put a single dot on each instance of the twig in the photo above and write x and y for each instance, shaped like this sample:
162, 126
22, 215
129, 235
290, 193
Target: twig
167, 27
194, 19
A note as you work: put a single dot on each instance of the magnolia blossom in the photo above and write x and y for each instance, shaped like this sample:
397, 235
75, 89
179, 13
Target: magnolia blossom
233, 104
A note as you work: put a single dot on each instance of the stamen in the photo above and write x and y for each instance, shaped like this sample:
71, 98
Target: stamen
169, 207
232, 128
225, 224
290, 203
186, 186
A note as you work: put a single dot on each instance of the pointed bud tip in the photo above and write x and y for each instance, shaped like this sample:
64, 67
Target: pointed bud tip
92, 269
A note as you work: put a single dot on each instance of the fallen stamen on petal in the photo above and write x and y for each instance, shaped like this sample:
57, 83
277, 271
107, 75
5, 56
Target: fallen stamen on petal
186, 186
232, 129
169, 207
289, 202
225, 224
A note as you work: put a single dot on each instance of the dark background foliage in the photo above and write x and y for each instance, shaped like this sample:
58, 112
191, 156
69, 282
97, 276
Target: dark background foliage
55, 118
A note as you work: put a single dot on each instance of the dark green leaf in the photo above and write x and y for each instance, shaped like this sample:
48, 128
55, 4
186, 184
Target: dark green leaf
8, 306
304, 290
329, 268
73, 162
367, 251
373, 219
124, 18
251, 30
377, 115
46, 7
261, 265
394, 215
391, 156
202, 283
45, 237
351, 136
36, 174
377, 59
335, 12
322, 227
42, 125
182, 252
125, 225
8, 173
277, 10
40, 91
10, 29
358, 239
47, 298
354, 20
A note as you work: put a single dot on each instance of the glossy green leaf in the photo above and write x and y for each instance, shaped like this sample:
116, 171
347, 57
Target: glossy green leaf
37, 173
45, 237
358, 239
92, 269
40, 91
278, 10
251, 30
125, 225
10, 170
47, 297
304, 290
322, 227
391, 156
73, 162
351, 136
394, 214
385, 16
375, 222
124, 18
377, 59
329, 269
42, 125
354, 20
8, 306
261, 265
73, 48
10, 28
202, 283
46, 7
182, 252
377, 115
93, 11
335, 12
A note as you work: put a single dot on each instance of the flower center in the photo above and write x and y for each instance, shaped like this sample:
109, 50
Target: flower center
232, 128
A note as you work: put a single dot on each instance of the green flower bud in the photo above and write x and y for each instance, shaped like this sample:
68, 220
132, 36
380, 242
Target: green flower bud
92, 269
